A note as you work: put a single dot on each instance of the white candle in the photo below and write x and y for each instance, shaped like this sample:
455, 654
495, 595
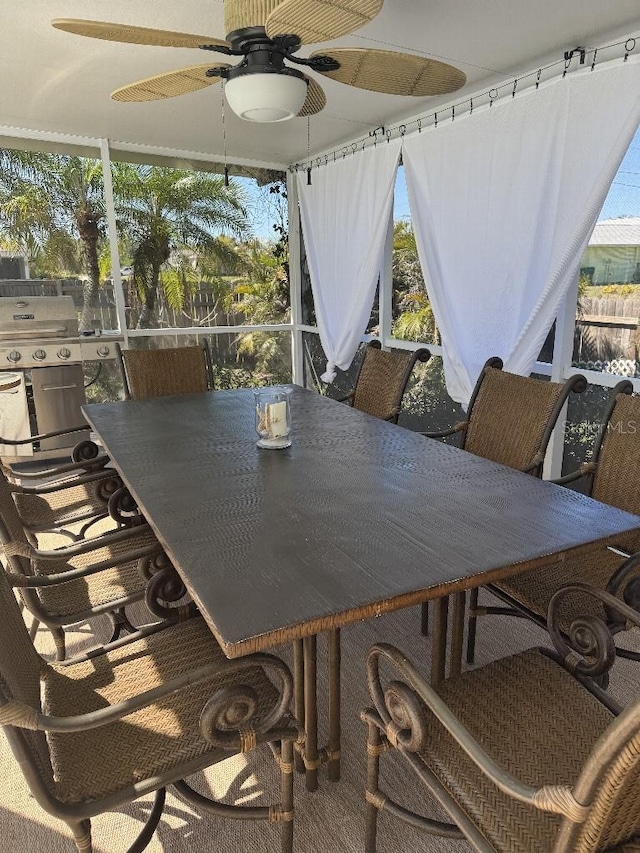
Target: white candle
277, 419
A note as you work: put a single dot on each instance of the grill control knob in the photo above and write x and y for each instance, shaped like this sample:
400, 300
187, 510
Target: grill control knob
40, 355
64, 353
14, 356
103, 351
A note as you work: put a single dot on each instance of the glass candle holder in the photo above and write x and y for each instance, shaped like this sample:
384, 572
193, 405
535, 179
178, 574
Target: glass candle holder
273, 419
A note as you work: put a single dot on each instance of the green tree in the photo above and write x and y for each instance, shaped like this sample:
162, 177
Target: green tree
51, 205
415, 320
174, 221
262, 296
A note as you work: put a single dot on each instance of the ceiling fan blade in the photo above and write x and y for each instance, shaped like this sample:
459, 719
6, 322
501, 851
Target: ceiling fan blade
315, 101
168, 85
132, 35
320, 20
393, 73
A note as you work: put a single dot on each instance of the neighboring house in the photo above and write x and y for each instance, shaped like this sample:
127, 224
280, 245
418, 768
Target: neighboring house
613, 253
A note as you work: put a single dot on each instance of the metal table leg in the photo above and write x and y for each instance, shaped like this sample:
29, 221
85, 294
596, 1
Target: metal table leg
298, 696
457, 633
439, 647
334, 706
311, 760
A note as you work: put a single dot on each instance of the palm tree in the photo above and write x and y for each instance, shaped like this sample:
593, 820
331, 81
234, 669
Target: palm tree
262, 296
415, 321
48, 202
173, 218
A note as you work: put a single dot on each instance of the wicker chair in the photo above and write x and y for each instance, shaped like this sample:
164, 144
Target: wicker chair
526, 754
165, 372
62, 495
71, 506
382, 380
612, 476
108, 727
69, 585
510, 419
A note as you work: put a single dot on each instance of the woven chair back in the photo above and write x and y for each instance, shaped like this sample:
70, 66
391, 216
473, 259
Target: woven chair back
20, 671
509, 418
617, 477
165, 372
14, 530
610, 784
382, 381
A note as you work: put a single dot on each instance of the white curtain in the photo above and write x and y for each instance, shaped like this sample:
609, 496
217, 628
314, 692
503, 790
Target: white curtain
345, 214
503, 202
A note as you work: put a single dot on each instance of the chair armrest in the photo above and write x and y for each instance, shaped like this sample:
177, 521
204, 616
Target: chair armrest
583, 471
459, 427
24, 716
18, 581
556, 799
346, 397
68, 483
70, 467
31, 439
536, 465
88, 545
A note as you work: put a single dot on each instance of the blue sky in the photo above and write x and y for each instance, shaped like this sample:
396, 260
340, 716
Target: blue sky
624, 196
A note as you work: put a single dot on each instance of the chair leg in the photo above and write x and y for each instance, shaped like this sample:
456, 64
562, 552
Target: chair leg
472, 626
120, 624
151, 824
424, 627
82, 835
286, 776
33, 629
374, 748
59, 640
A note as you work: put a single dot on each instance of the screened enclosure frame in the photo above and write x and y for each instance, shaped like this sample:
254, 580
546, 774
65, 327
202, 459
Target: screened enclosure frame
559, 369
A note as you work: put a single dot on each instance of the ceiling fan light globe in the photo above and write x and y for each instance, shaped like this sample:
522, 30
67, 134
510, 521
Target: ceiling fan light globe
266, 97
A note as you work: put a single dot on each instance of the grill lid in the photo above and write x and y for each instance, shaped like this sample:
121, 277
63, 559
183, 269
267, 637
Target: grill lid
32, 317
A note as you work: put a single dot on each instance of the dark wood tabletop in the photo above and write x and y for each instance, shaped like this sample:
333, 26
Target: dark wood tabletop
358, 517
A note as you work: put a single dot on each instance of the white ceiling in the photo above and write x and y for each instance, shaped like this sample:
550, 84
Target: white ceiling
54, 81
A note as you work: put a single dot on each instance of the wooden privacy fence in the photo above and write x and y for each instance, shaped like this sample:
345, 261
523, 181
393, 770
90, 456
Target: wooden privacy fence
607, 333
200, 309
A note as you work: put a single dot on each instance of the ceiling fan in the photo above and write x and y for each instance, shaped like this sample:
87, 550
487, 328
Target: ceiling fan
267, 85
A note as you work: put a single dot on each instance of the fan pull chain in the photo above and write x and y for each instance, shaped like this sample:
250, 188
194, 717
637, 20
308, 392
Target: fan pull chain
224, 136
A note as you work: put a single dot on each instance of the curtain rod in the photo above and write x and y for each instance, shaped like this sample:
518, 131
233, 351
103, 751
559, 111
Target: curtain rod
490, 96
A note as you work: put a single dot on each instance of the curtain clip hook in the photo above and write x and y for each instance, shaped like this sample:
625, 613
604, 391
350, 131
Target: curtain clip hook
629, 47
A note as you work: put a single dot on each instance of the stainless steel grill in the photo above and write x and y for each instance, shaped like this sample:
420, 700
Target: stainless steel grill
39, 341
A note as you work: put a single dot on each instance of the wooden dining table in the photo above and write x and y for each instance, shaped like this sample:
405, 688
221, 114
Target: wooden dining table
359, 517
